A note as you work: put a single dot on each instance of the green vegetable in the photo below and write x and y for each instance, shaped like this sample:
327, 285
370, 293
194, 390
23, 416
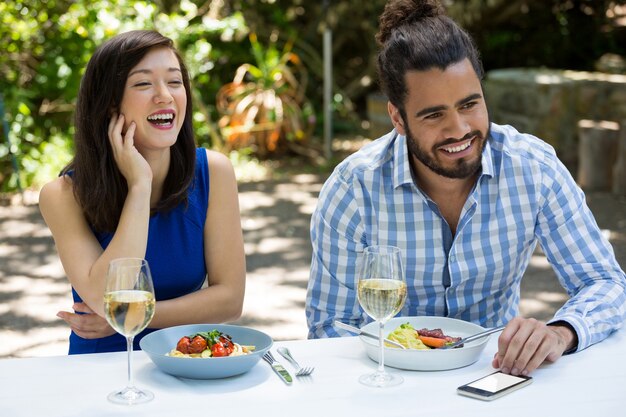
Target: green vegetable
211, 337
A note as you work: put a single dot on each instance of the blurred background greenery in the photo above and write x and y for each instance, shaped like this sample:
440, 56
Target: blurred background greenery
257, 65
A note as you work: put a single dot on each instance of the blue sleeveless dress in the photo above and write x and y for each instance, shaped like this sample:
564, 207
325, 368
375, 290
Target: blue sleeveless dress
175, 253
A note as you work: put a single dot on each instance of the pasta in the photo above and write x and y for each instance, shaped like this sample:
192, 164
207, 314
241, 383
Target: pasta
208, 345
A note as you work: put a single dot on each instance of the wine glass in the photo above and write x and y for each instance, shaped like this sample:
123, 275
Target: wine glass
381, 293
128, 308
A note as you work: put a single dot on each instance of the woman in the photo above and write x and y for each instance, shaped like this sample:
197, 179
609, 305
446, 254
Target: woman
138, 187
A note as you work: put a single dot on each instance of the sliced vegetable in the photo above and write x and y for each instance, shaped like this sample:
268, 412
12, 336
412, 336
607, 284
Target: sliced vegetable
433, 342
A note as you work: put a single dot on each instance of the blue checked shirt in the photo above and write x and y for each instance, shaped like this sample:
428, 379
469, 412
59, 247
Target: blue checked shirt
523, 195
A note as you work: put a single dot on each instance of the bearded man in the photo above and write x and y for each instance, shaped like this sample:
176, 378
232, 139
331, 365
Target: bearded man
465, 200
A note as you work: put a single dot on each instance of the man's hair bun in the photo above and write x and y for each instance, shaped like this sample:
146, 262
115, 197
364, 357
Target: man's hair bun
402, 12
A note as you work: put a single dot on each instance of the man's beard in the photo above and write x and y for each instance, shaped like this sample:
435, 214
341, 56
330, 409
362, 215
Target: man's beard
463, 167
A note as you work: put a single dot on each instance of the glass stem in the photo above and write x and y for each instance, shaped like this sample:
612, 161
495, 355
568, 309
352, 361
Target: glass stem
381, 362
129, 348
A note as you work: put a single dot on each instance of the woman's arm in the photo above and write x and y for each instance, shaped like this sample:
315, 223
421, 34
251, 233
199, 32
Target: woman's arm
224, 256
83, 259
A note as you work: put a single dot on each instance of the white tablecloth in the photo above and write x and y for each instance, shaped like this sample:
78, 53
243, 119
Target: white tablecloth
589, 383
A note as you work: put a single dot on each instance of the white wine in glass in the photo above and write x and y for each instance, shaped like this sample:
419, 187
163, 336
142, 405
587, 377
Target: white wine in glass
381, 293
129, 308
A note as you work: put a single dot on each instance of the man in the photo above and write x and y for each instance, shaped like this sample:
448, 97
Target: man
465, 200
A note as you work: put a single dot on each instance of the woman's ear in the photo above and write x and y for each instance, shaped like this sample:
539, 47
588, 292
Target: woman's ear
396, 118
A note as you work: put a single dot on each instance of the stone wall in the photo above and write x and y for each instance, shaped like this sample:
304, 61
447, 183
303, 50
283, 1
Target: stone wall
550, 103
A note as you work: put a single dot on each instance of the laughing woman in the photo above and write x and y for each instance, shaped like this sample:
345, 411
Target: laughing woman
138, 187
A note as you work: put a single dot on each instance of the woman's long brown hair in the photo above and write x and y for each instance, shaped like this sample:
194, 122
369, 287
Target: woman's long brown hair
98, 184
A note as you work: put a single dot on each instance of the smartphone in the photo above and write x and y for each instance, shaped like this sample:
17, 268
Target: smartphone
493, 386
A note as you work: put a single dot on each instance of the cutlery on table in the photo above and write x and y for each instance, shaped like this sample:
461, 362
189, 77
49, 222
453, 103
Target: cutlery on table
366, 334
278, 368
300, 371
473, 337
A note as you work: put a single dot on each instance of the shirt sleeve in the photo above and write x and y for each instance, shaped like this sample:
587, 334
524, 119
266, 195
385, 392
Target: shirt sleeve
336, 237
582, 258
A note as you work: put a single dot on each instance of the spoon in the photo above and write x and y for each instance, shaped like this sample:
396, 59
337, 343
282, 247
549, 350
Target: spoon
300, 370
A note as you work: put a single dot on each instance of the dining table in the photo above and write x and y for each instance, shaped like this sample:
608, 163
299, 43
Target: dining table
588, 383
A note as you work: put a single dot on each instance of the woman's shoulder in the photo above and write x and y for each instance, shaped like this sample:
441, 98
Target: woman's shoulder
57, 196
217, 158
214, 174
219, 164
59, 189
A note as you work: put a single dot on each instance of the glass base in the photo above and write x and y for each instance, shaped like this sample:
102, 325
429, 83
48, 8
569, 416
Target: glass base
130, 396
381, 380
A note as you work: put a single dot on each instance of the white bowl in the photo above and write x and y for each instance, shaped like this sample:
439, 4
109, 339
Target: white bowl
159, 343
433, 359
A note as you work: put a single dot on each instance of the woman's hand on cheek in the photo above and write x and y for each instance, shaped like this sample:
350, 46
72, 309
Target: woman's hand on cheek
130, 162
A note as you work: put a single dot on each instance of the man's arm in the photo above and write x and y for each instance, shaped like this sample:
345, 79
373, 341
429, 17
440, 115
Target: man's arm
585, 266
583, 260
336, 233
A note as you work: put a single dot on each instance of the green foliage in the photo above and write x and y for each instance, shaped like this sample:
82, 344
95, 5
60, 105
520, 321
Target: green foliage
568, 34
47, 43
352, 26
264, 106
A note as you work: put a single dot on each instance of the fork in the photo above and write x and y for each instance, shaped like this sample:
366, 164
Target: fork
473, 337
300, 371
269, 358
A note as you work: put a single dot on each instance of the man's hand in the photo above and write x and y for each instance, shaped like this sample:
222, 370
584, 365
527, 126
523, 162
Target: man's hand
88, 325
526, 343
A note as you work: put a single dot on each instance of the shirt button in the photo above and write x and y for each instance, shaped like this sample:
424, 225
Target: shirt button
452, 258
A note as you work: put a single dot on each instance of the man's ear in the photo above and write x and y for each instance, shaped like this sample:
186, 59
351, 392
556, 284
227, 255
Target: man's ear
396, 118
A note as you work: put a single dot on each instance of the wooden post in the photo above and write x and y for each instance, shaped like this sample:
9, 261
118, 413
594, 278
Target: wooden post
619, 170
597, 151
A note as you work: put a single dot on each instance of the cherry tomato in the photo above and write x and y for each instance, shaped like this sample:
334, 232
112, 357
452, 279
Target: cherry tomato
183, 344
198, 345
218, 350
228, 345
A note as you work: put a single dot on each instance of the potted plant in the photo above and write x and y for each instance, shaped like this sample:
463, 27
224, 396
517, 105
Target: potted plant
264, 107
